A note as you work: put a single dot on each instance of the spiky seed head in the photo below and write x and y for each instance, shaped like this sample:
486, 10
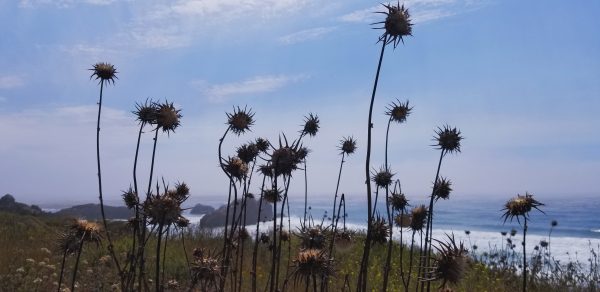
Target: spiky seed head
398, 201
450, 263
264, 238
467, 232
513, 232
397, 24
311, 125
272, 195
262, 144
284, 161
240, 120
402, 220
205, 268
520, 206
344, 240
348, 145
67, 242
448, 139
104, 72
380, 230
285, 235
146, 113
311, 263
182, 192
86, 231
382, 178
313, 237
503, 233
418, 216
442, 189
236, 168
553, 223
301, 153
168, 117
398, 111
130, 198
543, 243
266, 170
182, 222
162, 209
247, 152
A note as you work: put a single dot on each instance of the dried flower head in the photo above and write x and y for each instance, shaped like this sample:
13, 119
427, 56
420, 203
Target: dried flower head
205, 268
311, 125
266, 170
284, 161
272, 195
182, 192
398, 201
311, 263
67, 242
264, 238
520, 206
344, 240
313, 237
77, 231
450, 263
348, 145
104, 72
382, 178
397, 24
543, 243
182, 222
167, 117
402, 220
247, 152
146, 113
442, 189
301, 153
448, 139
553, 223
262, 144
240, 120
398, 111
162, 209
130, 198
236, 168
418, 217
380, 230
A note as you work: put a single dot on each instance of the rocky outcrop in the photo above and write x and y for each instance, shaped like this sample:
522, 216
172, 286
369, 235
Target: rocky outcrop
9, 204
217, 217
92, 212
201, 209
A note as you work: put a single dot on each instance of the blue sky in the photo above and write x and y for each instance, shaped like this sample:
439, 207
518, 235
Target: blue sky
519, 78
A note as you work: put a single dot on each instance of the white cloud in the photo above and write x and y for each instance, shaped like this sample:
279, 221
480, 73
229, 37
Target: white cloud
254, 85
306, 35
11, 81
62, 3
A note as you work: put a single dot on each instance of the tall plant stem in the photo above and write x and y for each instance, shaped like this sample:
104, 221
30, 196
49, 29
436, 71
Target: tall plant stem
337, 187
225, 235
429, 226
157, 274
142, 244
524, 255
362, 276
410, 261
62, 269
100, 197
306, 193
76, 264
283, 204
388, 259
136, 227
274, 259
255, 251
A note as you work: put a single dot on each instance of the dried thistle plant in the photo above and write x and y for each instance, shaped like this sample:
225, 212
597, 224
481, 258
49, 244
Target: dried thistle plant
240, 120
311, 264
442, 189
311, 125
450, 262
398, 111
397, 24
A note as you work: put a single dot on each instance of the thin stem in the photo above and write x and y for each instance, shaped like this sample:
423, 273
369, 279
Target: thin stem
362, 276
100, 197
137, 224
76, 264
62, 269
525, 256
337, 186
157, 275
410, 261
305, 192
255, 252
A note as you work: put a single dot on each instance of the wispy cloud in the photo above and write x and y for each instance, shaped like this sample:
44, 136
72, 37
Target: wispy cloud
254, 85
11, 81
306, 35
62, 3
421, 11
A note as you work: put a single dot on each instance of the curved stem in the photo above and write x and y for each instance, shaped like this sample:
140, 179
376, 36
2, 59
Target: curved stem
362, 276
76, 264
337, 186
136, 227
255, 252
62, 269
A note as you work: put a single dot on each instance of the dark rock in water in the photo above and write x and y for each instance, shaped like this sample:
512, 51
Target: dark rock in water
92, 212
9, 204
201, 209
217, 217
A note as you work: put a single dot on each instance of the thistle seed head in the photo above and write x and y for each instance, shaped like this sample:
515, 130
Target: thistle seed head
104, 72
311, 263
272, 195
311, 125
130, 198
247, 152
520, 206
284, 161
442, 189
262, 144
398, 201
450, 263
240, 120
168, 117
146, 113
382, 178
448, 139
162, 209
313, 237
418, 217
236, 168
380, 230
402, 220
205, 268
397, 24
398, 111
348, 145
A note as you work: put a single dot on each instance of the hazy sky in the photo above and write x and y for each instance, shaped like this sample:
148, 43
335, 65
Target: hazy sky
520, 79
